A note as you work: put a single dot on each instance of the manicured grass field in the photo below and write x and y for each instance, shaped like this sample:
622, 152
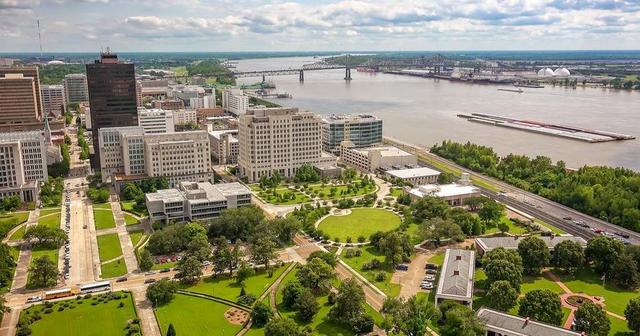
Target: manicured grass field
268, 196
618, 327
587, 281
109, 246
15, 252
513, 228
360, 222
195, 316
324, 192
39, 252
136, 236
51, 220
395, 192
47, 211
130, 220
10, 220
549, 226
227, 288
113, 269
157, 267
18, 234
103, 217
368, 254
128, 206
85, 319
437, 259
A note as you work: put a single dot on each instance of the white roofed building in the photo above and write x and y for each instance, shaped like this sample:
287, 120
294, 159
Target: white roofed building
453, 193
415, 176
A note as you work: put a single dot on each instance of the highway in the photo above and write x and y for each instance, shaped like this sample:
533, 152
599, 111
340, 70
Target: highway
546, 210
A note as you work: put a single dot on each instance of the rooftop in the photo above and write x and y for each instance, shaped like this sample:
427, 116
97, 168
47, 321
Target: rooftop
352, 118
511, 243
519, 326
384, 151
165, 195
413, 172
443, 190
218, 133
456, 278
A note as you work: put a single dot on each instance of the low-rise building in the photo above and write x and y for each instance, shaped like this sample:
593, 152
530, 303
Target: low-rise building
235, 101
453, 193
486, 244
196, 201
168, 104
185, 116
205, 102
362, 130
414, 176
456, 277
156, 120
224, 146
23, 164
373, 158
502, 324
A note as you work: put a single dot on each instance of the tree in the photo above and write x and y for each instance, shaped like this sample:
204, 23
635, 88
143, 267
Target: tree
541, 305
429, 207
260, 314
161, 292
146, 262
535, 254
306, 174
46, 236
632, 314
327, 257
624, 272
244, 272
349, 302
491, 212
603, 252
411, 317
190, 269
290, 293
502, 296
263, 249
283, 326
501, 253
503, 227
437, 229
237, 223
474, 203
592, 319
44, 273
171, 331
11, 203
199, 247
500, 269
468, 222
306, 305
3, 305
285, 229
316, 275
568, 255
460, 320
446, 178
395, 246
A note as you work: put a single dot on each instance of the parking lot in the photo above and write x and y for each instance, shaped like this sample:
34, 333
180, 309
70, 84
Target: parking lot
412, 280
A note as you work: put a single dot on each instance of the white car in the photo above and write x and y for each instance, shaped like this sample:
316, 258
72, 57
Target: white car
34, 299
430, 277
426, 285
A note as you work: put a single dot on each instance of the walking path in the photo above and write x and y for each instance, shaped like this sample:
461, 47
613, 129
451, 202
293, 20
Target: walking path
22, 264
147, 317
97, 269
125, 240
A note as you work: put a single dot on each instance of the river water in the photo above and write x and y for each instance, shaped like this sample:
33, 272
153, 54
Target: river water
424, 111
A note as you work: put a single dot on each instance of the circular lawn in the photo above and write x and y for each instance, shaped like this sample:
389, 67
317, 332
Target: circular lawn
360, 222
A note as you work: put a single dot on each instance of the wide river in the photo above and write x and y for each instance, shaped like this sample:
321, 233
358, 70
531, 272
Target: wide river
424, 111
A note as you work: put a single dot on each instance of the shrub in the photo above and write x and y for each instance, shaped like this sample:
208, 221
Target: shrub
61, 308
348, 240
121, 305
48, 304
94, 303
381, 276
87, 296
349, 253
48, 311
247, 299
358, 252
361, 239
373, 264
331, 299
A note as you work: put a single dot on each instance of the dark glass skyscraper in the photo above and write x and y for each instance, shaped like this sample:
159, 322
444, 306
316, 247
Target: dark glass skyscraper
112, 97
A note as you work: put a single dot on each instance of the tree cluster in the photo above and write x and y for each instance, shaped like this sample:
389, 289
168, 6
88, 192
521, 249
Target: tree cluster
7, 263
45, 236
51, 192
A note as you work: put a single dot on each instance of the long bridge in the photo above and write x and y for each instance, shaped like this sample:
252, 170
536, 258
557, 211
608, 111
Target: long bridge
291, 71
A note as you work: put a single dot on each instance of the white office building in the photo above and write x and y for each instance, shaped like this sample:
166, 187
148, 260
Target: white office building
235, 101
453, 193
225, 146
414, 176
156, 120
373, 158
53, 101
208, 101
127, 153
196, 201
23, 164
279, 139
75, 88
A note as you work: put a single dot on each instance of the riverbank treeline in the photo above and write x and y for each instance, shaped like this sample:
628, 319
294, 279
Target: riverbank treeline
611, 194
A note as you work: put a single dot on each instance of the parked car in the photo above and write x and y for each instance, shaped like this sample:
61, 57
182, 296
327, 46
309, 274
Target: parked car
122, 279
430, 277
402, 267
431, 266
567, 218
431, 271
34, 299
165, 270
149, 281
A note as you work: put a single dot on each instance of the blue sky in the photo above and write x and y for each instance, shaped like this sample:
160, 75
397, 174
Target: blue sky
247, 25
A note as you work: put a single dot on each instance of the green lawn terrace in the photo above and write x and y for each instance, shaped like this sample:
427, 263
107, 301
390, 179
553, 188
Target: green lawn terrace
98, 315
103, 216
288, 194
358, 222
50, 217
113, 269
280, 195
128, 206
10, 220
109, 247
368, 253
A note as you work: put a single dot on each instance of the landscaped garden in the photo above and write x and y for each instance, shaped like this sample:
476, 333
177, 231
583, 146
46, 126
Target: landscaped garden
10, 220
360, 222
136, 236
129, 206
113, 269
109, 246
130, 220
359, 263
280, 195
105, 314
103, 216
50, 218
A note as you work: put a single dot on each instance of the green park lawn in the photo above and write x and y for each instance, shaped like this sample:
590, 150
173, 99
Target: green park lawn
513, 228
136, 236
15, 252
109, 246
618, 327
437, 259
324, 192
10, 220
395, 192
195, 316
549, 226
103, 217
18, 234
277, 199
157, 267
227, 288
51, 220
369, 253
38, 252
529, 283
360, 222
48, 211
588, 282
128, 207
85, 319
113, 269
130, 220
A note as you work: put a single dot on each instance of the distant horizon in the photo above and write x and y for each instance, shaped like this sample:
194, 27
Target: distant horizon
321, 51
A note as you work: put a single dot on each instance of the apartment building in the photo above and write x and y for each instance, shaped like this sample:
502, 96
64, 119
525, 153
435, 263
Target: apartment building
362, 130
279, 139
225, 146
130, 154
23, 164
156, 120
53, 99
234, 101
206, 102
373, 158
196, 201
75, 88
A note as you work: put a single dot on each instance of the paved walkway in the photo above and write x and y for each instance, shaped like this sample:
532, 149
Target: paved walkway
94, 242
22, 264
148, 321
125, 240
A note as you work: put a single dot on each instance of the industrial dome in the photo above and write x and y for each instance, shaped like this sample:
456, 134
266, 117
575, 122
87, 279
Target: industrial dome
55, 62
561, 72
546, 72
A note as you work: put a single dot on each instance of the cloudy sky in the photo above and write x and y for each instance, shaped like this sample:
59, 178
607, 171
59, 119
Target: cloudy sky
248, 25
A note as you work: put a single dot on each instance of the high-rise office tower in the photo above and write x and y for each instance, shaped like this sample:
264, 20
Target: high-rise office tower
112, 96
53, 101
20, 100
75, 88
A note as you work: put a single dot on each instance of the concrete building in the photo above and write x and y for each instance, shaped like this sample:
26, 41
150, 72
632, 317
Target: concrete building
20, 101
53, 99
155, 89
129, 154
75, 88
279, 139
453, 193
196, 201
156, 120
486, 244
414, 176
456, 277
23, 164
497, 323
168, 104
373, 158
362, 130
205, 102
185, 92
185, 116
235, 101
112, 97
225, 146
